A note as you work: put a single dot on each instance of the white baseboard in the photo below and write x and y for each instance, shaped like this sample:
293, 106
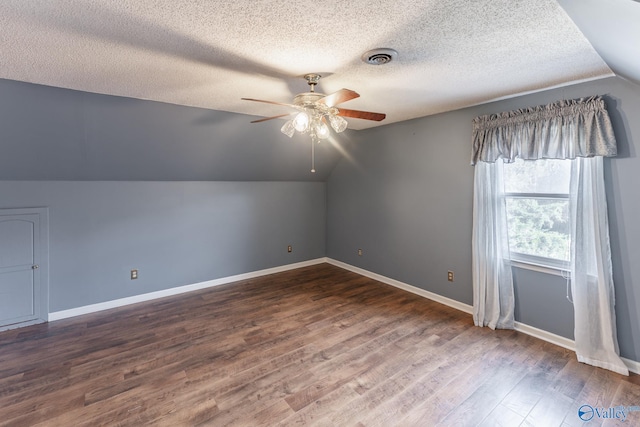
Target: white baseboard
466, 308
632, 365
92, 308
409, 288
567, 343
563, 342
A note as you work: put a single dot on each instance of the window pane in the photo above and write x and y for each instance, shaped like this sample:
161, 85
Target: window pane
539, 227
537, 176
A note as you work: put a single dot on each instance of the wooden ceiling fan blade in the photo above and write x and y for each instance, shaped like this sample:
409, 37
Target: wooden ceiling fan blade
365, 115
343, 95
269, 102
269, 118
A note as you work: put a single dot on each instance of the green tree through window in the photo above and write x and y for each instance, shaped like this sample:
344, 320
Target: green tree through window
538, 210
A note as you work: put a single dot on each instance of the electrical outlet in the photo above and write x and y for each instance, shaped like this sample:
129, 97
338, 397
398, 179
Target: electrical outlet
289, 248
134, 274
450, 276
359, 252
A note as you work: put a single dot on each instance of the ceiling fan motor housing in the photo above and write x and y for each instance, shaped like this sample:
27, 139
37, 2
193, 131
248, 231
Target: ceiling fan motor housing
307, 98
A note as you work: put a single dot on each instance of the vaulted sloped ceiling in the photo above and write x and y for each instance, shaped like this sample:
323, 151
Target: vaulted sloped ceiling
613, 28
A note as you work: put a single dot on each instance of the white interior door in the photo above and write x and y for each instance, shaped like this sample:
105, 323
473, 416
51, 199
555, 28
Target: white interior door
21, 293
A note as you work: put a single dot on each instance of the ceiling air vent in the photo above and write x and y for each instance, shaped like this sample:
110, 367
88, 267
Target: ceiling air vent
379, 56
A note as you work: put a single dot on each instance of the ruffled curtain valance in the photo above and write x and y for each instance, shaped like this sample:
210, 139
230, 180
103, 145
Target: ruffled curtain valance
562, 130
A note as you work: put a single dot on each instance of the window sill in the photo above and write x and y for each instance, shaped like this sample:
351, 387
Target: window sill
527, 265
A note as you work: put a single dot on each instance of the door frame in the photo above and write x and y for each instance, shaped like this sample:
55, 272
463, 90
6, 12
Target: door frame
41, 254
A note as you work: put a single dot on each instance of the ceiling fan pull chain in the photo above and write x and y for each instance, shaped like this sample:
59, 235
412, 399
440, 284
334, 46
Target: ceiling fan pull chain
313, 155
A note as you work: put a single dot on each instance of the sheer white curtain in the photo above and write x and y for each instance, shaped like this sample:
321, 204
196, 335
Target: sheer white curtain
591, 272
493, 301
579, 130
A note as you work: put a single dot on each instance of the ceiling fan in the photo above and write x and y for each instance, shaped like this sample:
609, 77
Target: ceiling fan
317, 112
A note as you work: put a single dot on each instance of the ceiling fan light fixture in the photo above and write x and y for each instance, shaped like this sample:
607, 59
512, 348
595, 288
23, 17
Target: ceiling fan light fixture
337, 123
322, 130
288, 128
317, 111
301, 122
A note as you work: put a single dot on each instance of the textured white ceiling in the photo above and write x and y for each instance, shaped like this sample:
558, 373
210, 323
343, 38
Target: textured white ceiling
452, 53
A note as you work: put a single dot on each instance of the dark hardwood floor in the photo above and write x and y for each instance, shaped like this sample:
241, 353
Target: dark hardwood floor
314, 346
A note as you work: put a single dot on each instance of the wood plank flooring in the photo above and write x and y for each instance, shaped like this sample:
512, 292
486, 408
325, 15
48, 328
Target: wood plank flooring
314, 346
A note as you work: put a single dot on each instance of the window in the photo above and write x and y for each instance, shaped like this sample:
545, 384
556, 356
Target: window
537, 193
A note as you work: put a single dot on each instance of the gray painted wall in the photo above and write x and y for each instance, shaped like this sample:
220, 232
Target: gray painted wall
90, 159
49, 133
174, 233
406, 200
